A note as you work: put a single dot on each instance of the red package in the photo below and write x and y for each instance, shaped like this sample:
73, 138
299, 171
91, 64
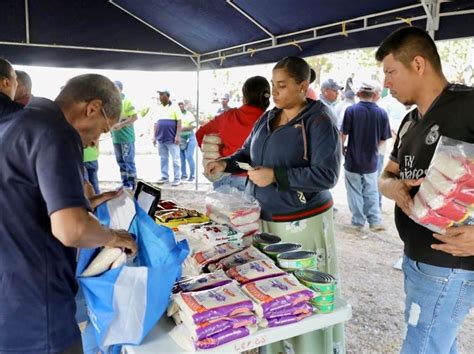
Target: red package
425, 216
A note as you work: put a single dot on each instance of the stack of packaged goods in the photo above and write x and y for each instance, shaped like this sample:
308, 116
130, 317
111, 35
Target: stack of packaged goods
253, 271
201, 282
280, 300
200, 261
209, 318
229, 206
446, 195
210, 148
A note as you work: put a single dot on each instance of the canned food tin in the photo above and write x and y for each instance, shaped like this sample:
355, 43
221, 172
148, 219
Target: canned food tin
297, 260
320, 282
325, 299
263, 239
277, 248
324, 308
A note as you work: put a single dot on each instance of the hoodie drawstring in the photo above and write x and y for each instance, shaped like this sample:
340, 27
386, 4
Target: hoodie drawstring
305, 142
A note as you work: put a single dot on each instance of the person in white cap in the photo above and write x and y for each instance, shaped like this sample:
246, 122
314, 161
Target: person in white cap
367, 126
329, 94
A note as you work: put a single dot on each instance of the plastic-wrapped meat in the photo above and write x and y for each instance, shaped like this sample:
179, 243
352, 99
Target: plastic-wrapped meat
205, 305
247, 255
423, 215
201, 282
255, 270
277, 293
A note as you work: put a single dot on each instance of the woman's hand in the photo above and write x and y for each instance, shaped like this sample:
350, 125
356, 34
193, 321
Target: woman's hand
262, 176
214, 167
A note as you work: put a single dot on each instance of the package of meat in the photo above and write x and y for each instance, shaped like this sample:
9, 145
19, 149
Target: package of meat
247, 255
202, 306
277, 293
201, 282
256, 270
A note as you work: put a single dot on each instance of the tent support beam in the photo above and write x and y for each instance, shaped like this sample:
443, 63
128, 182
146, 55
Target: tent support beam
254, 21
153, 28
313, 34
94, 48
431, 8
27, 22
196, 169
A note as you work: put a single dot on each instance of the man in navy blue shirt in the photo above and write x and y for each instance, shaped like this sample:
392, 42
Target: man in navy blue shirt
44, 213
8, 85
366, 125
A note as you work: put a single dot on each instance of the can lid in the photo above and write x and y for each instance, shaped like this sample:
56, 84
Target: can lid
266, 238
314, 276
296, 255
282, 247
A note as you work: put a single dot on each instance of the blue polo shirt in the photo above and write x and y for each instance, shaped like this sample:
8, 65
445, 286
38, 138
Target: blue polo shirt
365, 124
40, 173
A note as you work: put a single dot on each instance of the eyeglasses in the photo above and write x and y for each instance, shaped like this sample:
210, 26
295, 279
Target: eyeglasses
105, 117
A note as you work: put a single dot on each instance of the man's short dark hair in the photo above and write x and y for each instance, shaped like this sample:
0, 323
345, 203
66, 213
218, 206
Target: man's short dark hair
408, 42
6, 68
88, 87
24, 78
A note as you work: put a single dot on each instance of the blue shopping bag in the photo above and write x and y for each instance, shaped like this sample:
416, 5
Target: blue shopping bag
125, 303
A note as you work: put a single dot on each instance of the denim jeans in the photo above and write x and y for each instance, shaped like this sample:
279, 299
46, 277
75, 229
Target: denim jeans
164, 150
363, 197
437, 302
90, 174
232, 180
188, 155
125, 156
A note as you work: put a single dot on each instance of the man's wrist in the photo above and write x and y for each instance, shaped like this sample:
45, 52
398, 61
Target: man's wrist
112, 237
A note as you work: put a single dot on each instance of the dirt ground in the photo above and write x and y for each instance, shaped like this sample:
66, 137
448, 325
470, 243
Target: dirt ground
369, 282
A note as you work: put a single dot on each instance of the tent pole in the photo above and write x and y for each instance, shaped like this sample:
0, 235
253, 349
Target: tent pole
198, 69
431, 8
27, 22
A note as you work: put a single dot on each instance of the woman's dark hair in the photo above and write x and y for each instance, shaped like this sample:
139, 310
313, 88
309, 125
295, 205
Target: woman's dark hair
312, 76
296, 67
256, 91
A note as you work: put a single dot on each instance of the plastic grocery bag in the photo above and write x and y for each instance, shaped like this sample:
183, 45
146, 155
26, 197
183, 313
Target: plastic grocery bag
125, 303
446, 195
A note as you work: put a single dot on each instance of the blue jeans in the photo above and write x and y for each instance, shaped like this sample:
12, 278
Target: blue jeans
437, 302
169, 149
125, 156
363, 198
90, 174
188, 155
232, 180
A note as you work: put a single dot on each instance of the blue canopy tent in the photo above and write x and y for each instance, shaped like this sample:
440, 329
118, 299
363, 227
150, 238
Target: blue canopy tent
205, 34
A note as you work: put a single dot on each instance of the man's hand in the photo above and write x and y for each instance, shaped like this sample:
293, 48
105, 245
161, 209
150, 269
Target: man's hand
457, 241
116, 126
176, 140
399, 191
122, 239
98, 199
262, 176
214, 167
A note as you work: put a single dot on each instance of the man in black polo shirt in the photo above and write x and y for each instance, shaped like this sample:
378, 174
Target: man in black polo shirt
8, 85
44, 213
439, 270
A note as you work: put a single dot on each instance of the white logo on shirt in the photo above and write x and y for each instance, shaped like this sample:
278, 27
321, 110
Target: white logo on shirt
433, 135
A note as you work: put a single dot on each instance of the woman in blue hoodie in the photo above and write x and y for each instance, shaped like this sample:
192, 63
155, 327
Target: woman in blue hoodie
295, 151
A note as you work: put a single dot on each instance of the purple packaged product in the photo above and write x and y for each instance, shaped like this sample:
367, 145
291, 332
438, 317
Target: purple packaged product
294, 310
205, 305
222, 338
210, 328
201, 282
284, 320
